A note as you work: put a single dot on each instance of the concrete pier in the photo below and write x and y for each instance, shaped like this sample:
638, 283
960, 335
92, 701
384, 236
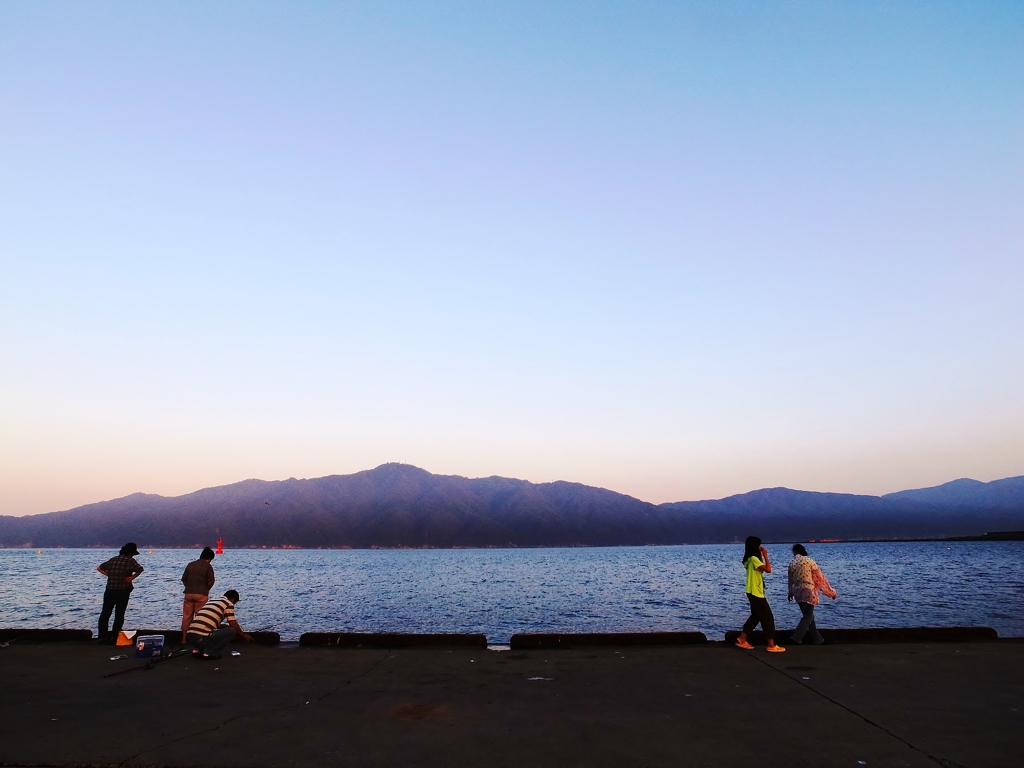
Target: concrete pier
707, 704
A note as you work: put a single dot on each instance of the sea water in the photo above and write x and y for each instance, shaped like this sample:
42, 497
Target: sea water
499, 592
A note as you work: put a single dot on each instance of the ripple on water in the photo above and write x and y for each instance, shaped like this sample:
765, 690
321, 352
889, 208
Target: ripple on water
615, 589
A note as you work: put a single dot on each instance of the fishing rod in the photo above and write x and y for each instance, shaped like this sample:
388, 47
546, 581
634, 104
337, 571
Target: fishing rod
29, 633
151, 663
6, 643
183, 651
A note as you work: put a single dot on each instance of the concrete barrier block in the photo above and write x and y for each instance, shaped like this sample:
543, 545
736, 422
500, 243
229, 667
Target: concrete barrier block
575, 640
389, 640
44, 635
883, 635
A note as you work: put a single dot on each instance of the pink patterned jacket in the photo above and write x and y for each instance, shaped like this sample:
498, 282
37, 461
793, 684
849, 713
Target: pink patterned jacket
806, 579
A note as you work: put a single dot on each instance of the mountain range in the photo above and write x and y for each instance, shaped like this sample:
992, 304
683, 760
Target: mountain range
397, 505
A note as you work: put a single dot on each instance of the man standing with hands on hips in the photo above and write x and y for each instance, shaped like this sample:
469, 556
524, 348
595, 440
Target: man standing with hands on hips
120, 572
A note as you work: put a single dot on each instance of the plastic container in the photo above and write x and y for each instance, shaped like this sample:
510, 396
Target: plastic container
148, 646
126, 637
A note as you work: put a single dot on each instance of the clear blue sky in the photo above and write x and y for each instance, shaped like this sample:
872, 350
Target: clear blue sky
679, 250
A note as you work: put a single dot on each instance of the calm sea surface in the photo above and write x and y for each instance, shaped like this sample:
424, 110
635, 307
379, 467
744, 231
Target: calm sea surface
502, 591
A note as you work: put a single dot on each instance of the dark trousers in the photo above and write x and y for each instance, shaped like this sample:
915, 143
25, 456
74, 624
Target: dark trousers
214, 643
807, 626
113, 598
761, 612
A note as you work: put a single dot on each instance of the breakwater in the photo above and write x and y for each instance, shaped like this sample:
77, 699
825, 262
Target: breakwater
912, 704
539, 641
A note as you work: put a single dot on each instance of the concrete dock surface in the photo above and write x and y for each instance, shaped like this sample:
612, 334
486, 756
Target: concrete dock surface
914, 704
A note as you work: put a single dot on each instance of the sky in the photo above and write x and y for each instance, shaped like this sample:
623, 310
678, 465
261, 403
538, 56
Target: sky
678, 250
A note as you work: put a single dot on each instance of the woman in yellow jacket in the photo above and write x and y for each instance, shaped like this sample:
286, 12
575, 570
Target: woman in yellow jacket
756, 563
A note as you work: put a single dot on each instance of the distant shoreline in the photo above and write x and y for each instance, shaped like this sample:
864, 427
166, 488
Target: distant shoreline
991, 536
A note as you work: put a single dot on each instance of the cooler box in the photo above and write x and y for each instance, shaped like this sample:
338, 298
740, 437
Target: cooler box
148, 646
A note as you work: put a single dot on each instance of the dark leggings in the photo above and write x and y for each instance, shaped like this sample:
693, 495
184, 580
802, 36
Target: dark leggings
761, 612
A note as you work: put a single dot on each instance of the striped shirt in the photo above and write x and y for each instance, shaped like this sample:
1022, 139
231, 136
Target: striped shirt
211, 615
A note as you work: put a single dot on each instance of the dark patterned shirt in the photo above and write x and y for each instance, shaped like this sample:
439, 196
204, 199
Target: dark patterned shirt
118, 569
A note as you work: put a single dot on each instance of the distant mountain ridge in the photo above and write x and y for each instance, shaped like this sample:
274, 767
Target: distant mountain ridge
397, 505
998, 494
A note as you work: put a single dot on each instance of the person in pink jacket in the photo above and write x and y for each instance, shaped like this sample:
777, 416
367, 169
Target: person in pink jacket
805, 581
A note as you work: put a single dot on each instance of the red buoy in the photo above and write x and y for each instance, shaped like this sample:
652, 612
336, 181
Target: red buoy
220, 546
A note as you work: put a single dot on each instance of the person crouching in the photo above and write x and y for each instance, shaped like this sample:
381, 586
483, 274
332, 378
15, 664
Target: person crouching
206, 634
